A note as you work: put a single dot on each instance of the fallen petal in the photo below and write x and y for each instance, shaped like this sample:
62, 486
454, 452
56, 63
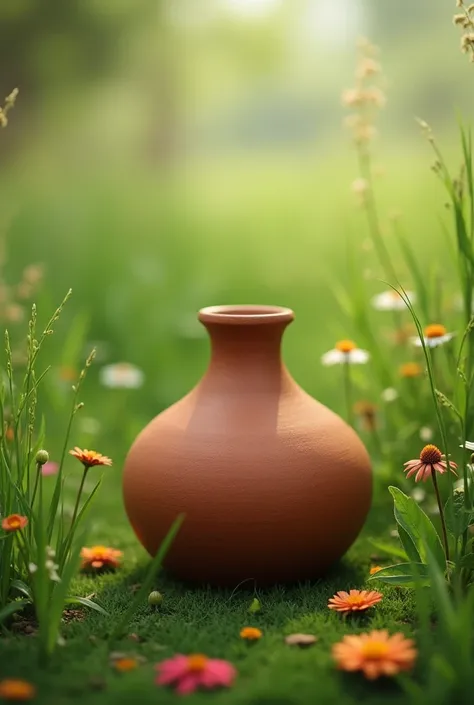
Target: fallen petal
301, 639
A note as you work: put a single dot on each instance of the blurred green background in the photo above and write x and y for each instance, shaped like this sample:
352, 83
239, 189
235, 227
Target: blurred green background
167, 155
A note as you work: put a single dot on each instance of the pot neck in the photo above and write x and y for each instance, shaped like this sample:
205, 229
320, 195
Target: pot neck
246, 344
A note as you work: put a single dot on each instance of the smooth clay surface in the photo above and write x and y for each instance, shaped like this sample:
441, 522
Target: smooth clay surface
275, 487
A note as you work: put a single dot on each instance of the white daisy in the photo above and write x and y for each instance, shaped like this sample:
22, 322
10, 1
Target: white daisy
390, 394
52, 569
122, 375
418, 494
391, 300
426, 433
345, 352
434, 335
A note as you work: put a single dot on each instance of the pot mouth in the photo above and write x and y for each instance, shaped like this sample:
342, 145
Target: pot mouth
248, 315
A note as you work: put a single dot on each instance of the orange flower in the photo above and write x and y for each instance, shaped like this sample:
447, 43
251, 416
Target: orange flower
354, 601
375, 654
410, 370
125, 664
16, 690
375, 569
100, 558
14, 522
251, 633
9, 434
90, 458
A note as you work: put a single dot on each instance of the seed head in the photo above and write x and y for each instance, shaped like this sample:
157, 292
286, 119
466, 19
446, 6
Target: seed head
430, 455
461, 20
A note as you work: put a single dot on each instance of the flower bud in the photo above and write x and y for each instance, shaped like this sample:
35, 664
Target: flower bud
42, 457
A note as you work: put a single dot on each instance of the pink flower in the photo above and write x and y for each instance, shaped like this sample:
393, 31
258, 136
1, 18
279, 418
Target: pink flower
49, 468
430, 459
187, 673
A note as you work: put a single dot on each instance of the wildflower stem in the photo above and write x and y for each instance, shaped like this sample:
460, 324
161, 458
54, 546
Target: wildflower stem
441, 513
346, 371
373, 217
35, 489
377, 440
23, 548
78, 499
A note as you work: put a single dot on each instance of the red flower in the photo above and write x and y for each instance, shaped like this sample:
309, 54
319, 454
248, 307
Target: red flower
14, 522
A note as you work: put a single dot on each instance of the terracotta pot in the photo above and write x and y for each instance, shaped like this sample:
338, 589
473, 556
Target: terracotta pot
274, 485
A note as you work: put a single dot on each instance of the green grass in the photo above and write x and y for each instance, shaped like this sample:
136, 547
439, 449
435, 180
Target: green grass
141, 262
208, 621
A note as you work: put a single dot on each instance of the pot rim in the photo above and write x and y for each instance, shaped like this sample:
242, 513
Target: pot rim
245, 314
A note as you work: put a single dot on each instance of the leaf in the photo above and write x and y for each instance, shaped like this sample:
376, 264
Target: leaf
255, 606
406, 574
408, 545
87, 603
59, 594
22, 587
11, 608
456, 516
389, 549
418, 277
444, 603
419, 528
467, 561
152, 571
72, 532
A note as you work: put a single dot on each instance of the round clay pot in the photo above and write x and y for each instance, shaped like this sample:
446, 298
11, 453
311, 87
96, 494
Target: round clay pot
275, 487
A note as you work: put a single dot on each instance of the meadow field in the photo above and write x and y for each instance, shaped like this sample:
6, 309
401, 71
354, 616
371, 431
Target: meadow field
143, 247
